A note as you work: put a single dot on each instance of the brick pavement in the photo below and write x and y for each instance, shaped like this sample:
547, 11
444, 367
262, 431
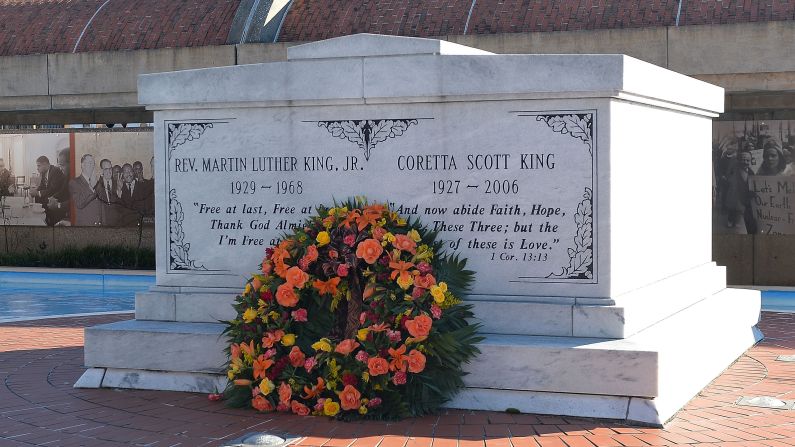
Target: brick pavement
40, 360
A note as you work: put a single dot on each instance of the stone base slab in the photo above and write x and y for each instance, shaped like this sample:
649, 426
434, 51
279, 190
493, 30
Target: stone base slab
645, 378
156, 346
151, 380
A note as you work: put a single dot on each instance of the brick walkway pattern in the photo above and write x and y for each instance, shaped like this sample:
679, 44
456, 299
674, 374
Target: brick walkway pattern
40, 360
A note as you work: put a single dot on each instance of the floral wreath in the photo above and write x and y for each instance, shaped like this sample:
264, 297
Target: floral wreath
356, 314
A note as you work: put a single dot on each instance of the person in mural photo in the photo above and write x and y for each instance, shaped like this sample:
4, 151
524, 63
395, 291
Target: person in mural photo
63, 164
147, 189
84, 195
7, 180
53, 191
773, 162
737, 194
133, 195
106, 193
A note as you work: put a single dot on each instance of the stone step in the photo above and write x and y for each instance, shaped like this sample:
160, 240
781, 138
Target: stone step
646, 377
157, 346
498, 315
630, 313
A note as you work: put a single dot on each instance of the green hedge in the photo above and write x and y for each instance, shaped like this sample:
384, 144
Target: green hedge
91, 257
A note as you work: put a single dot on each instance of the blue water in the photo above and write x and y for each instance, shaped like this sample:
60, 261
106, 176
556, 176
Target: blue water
777, 300
31, 295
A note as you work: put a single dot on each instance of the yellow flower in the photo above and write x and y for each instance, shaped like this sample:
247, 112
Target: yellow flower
332, 211
405, 281
366, 377
331, 408
414, 235
362, 410
247, 289
322, 345
443, 286
343, 210
230, 374
389, 237
334, 369
288, 339
273, 315
323, 238
401, 222
249, 315
437, 293
266, 386
361, 334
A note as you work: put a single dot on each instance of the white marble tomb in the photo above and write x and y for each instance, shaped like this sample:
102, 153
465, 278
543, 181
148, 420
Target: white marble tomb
576, 185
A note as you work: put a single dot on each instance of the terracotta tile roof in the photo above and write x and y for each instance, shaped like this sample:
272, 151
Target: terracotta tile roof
310, 20
55, 26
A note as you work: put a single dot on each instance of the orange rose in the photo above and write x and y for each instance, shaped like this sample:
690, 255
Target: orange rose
311, 253
424, 281
369, 250
416, 361
420, 326
299, 408
296, 277
285, 393
350, 398
378, 233
346, 346
377, 366
286, 296
404, 243
297, 358
261, 404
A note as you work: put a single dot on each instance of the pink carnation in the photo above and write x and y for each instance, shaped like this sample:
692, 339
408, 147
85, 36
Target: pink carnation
342, 270
394, 336
349, 240
270, 353
362, 356
424, 268
319, 404
303, 263
436, 311
417, 292
399, 378
374, 402
310, 364
282, 407
299, 315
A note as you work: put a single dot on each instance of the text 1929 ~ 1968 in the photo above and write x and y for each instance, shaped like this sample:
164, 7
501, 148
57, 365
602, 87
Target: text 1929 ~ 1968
281, 187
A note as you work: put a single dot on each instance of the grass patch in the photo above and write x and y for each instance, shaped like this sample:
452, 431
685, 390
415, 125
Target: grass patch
91, 257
